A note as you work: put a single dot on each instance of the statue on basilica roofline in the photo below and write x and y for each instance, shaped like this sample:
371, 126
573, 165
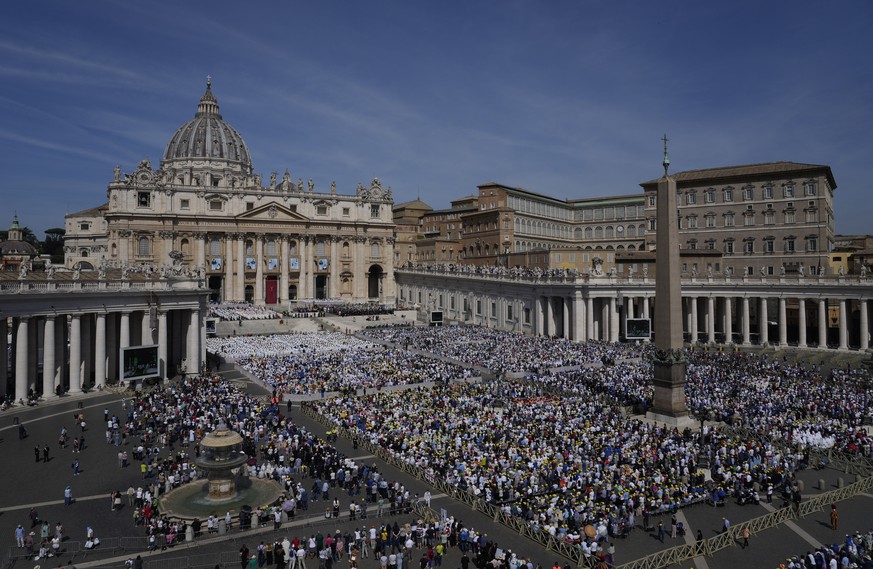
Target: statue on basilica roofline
117, 173
273, 181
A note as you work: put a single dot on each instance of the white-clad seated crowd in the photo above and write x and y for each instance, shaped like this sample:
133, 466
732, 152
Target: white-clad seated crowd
236, 311
307, 364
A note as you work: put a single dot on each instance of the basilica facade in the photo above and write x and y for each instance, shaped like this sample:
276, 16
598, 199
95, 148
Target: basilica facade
270, 243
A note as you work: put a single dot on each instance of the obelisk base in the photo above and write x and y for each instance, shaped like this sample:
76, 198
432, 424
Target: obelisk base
668, 401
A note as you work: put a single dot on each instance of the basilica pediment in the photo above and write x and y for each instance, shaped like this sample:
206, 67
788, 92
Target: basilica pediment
272, 211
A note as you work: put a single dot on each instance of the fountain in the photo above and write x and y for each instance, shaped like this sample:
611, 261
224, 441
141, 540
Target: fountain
228, 488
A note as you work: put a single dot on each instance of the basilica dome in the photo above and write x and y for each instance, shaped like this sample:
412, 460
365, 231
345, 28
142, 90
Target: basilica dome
208, 137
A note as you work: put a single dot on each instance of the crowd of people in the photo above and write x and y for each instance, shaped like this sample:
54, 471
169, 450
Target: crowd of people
854, 552
502, 351
560, 463
526, 273
237, 311
309, 364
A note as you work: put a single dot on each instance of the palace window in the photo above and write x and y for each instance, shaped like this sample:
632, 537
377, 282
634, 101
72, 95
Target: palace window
748, 193
809, 189
768, 192
728, 195
691, 198
143, 199
374, 210
788, 191
185, 204
729, 220
789, 245
710, 220
709, 196
769, 218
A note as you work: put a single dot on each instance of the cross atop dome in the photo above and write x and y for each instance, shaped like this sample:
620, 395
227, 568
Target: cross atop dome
208, 103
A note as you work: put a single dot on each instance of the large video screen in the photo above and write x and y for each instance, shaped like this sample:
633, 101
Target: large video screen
436, 316
638, 329
139, 362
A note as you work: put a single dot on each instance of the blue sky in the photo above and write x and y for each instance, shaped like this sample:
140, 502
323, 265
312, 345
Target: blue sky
569, 99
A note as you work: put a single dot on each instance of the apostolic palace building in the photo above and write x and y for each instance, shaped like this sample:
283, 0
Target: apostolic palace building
760, 261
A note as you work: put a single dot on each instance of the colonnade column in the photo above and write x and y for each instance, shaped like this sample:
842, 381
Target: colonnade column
76, 353
613, 320
589, 319
763, 332
693, 327
865, 325
783, 323
22, 336
844, 332
193, 351
4, 356
259, 270
162, 344
728, 320
645, 307
801, 323
822, 323
100, 351
112, 348
710, 319
578, 319
746, 327
566, 318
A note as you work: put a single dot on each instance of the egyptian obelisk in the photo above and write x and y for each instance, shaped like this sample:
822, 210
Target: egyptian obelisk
669, 360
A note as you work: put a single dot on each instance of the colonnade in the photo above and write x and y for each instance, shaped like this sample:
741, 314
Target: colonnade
72, 352
830, 315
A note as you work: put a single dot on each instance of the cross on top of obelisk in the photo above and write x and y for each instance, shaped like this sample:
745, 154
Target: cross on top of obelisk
666, 155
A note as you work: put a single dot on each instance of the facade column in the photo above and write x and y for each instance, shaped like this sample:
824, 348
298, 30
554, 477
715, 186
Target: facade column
240, 288
694, 320
310, 268
763, 325
645, 307
728, 320
4, 356
228, 268
76, 353
303, 278
801, 323
783, 323
22, 336
710, 319
746, 328
200, 243
844, 330
822, 323
334, 268
865, 325
284, 266
259, 270
100, 351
